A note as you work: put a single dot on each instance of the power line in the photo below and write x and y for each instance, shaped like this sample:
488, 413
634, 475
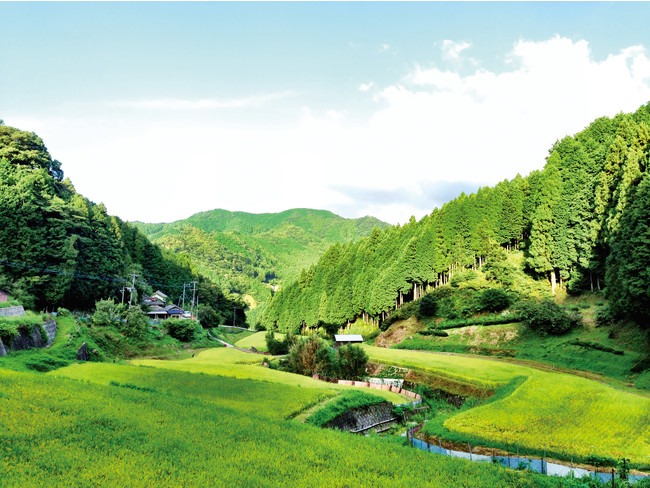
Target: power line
51, 270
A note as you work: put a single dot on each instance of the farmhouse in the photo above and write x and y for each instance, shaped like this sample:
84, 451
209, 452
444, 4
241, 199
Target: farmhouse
343, 339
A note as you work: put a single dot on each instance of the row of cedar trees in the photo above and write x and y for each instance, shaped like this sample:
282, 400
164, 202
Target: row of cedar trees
583, 223
88, 254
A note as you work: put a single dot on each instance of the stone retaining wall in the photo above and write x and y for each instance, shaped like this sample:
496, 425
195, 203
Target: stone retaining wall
12, 311
29, 339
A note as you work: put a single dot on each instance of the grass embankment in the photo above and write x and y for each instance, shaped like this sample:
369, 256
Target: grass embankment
609, 350
257, 340
225, 361
569, 416
345, 402
231, 335
171, 428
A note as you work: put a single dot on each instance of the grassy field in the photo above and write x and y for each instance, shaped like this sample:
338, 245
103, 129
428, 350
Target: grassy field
568, 415
231, 335
129, 426
514, 340
225, 361
257, 340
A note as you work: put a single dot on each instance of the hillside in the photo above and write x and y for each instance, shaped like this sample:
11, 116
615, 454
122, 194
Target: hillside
59, 249
251, 254
580, 224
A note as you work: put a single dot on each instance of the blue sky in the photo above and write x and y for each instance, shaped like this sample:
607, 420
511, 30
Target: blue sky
161, 110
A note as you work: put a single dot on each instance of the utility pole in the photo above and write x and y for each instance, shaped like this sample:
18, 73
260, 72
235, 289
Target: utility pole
234, 310
132, 288
193, 297
183, 296
123, 288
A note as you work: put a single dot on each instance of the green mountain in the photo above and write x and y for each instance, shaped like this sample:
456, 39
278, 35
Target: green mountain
57, 248
254, 254
580, 224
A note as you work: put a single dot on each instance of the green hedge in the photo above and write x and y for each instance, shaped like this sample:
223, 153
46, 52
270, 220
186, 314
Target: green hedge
488, 320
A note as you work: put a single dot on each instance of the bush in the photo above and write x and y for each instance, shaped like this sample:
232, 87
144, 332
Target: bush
62, 312
107, 312
494, 299
136, 323
185, 330
276, 347
428, 306
546, 317
351, 362
305, 357
207, 316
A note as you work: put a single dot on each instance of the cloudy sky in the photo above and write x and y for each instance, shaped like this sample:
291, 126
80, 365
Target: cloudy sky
162, 110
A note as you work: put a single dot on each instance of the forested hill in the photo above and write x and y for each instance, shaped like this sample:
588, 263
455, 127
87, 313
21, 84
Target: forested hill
57, 248
581, 223
250, 254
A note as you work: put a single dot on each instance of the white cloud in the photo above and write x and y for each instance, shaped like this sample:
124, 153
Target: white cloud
364, 87
452, 50
384, 47
433, 126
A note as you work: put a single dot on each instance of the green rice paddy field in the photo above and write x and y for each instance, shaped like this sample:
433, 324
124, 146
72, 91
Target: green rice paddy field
568, 416
99, 424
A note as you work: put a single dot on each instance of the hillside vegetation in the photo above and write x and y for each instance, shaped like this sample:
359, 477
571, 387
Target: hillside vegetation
253, 254
57, 248
580, 224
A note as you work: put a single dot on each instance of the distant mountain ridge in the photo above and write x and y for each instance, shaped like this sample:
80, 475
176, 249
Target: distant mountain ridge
253, 254
323, 223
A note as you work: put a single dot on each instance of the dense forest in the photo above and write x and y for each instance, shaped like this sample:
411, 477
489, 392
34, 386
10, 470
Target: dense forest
582, 223
57, 248
250, 255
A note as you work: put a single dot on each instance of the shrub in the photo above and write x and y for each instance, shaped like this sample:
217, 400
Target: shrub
546, 317
276, 347
107, 312
136, 323
351, 362
305, 357
62, 312
428, 306
207, 316
494, 299
185, 330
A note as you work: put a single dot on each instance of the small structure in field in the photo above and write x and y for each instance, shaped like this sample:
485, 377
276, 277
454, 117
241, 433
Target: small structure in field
344, 339
4, 296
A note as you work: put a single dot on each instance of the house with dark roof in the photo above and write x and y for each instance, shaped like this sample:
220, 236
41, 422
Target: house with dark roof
163, 313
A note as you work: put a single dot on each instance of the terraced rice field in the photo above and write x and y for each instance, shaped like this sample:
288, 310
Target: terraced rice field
567, 415
130, 426
257, 340
225, 361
